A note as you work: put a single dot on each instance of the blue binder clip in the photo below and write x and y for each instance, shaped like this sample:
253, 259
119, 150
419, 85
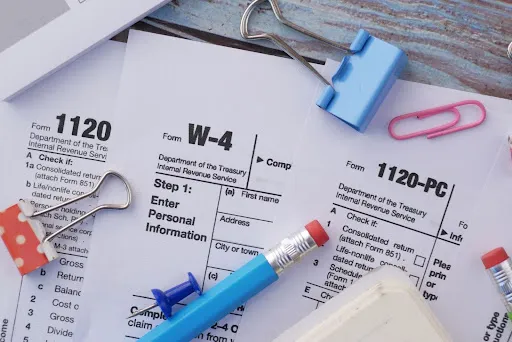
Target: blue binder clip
363, 78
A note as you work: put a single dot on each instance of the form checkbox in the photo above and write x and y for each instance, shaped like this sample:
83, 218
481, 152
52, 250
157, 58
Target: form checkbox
419, 261
414, 279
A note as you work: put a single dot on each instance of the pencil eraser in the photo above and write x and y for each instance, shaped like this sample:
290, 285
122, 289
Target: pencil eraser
317, 232
494, 257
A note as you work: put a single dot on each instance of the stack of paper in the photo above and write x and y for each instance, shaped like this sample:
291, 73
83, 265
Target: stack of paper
227, 154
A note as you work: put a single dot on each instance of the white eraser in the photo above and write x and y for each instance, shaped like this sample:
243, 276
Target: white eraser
383, 306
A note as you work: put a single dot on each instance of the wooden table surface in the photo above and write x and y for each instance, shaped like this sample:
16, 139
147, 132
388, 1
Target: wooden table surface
460, 44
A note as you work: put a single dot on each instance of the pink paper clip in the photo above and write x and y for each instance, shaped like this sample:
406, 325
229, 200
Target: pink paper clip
442, 129
510, 144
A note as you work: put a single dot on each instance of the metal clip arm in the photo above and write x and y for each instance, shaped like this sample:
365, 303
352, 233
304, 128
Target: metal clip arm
93, 211
244, 31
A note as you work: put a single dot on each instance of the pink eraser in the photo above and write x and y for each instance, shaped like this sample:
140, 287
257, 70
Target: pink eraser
317, 232
494, 257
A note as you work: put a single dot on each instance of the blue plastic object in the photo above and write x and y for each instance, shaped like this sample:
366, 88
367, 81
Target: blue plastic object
215, 303
363, 80
166, 300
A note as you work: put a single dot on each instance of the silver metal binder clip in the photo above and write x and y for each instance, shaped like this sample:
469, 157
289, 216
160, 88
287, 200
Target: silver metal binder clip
25, 236
244, 31
93, 211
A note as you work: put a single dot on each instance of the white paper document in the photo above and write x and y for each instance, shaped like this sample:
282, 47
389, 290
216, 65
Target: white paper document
410, 204
207, 150
208, 156
39, 37
54, 147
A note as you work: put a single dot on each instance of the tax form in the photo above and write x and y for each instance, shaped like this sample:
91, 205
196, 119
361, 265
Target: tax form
417, 205
207, 151
208, 166
54, 146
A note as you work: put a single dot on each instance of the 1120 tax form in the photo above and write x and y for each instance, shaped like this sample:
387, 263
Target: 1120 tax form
207, 151
51, 152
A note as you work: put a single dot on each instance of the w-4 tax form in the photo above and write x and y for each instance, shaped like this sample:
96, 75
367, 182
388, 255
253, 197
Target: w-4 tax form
55, 146
207, 150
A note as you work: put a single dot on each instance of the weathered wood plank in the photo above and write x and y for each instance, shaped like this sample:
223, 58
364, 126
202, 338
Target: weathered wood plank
460, 44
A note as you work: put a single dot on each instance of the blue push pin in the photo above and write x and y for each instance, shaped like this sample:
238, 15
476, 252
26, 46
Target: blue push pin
166, 300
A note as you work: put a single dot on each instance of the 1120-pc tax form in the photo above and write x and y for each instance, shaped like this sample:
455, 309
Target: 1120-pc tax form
48, 157
412, 204
207, 150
